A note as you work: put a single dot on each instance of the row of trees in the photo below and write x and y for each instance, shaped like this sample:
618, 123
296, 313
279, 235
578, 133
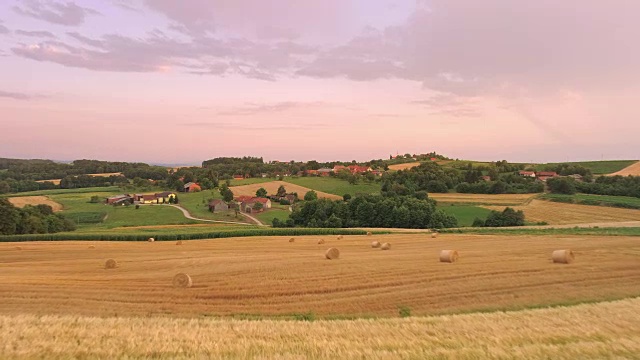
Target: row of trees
604, 185
38, 219
508, 217
370, 211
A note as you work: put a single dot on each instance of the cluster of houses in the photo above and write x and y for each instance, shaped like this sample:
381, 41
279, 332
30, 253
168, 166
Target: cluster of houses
539, 175
243, 203
353, 169
165, 197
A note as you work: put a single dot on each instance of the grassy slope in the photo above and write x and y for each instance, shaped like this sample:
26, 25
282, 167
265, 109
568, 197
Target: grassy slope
267, 216
335, 186
465, 214
250, 181
197, 205
583, 331
603, 200
107, 190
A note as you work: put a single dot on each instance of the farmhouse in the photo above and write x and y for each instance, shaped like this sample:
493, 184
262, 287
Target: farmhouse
531, 174
324, 172
163, 197
248, 205
148, 199
544, 175
192, 187
218, 205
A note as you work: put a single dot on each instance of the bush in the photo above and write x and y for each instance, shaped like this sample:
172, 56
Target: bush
509, 217
310, 196
561, 185
404, 311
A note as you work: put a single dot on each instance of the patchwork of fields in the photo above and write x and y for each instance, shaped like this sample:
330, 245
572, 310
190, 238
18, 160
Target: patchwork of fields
272, 188
271, 276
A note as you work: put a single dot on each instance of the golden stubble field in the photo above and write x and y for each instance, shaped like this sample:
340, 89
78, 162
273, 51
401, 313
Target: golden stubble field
272, 188
22, 201
271, 276
555, 213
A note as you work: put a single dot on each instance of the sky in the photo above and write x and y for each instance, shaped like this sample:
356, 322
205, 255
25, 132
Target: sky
178, 82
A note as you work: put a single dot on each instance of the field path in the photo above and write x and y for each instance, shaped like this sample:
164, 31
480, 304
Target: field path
633, 169
191, 217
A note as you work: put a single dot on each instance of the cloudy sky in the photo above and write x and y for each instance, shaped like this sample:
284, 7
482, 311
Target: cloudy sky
169, 81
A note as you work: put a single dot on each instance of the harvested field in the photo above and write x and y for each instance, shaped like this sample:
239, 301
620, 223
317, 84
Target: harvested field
23, 201
53, 181
57, 181
269, 276
404, 166
556, 213
588, 331
272, 188
483, 199
633, 170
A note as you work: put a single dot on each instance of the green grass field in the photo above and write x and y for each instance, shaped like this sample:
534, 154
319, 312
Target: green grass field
267, 216
107, 190
334, 185
599, 200
465, 213
597, 167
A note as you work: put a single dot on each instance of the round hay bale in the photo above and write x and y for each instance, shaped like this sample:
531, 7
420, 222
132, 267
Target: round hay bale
92, 247
369, 233
292, 240
151, 240
179, 242
321, 241
385, 246
182, 280
434, 235
332, 253
375, 244
18, 247
448, 256
110, 264
562, 256
340, 237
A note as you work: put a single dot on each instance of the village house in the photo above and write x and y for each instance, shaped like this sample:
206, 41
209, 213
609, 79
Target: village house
218, 205
527, 173
192, 187
148, 199
119, 199
163, 197
248, 205
544, 175
312, 172
357, 169
325, 172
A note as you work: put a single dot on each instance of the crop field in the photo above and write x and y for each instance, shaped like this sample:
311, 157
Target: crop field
272, 188
590, 199
633, 169
483, 199
586, 331
555, 213
335, 186
404, 166
23, 201
270, 276
596, 167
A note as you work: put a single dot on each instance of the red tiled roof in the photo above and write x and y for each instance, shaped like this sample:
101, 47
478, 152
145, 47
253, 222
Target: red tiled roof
526, 173
547, 173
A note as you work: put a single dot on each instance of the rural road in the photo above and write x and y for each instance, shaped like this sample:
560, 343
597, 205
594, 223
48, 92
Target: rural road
186, 214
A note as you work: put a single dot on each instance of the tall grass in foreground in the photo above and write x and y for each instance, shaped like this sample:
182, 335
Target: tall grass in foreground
593, 331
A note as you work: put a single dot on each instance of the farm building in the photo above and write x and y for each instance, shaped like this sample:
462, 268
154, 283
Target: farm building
192, 187
163, 197
118, 199
148, 199
248, 206
324, 172
218, 205
544, 175
527, 173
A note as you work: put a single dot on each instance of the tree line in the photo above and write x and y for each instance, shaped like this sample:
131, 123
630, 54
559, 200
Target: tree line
39, 219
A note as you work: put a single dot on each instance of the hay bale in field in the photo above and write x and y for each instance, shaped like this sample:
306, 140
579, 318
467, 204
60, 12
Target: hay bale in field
151, 239
369, 233
386, 246
448, 256
110, 264
182, 280
340, 237
562, 256
434, 235
321, 241
375, 244
292, 240
92, 247
18, 247
179, 242
332, 254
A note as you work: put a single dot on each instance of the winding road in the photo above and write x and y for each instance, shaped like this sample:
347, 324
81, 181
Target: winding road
188, 215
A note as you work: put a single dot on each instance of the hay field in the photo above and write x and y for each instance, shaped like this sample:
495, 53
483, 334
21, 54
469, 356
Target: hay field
57, 181
53, 181
589, 331
272, 188
556, 213
483, 199
633, 169
271, 276
23, 201
404, 166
